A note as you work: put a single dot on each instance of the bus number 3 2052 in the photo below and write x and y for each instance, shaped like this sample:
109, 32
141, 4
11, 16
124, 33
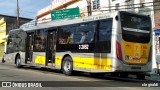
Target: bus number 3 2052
84, 46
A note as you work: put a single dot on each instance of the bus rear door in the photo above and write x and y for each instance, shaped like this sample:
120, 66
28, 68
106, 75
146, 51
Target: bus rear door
51, 48
29, 48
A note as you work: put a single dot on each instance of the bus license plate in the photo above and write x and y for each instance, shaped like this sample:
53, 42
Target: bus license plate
134, 67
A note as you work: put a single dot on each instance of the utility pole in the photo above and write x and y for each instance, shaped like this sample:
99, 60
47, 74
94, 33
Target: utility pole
109, 3
89, 7
17, 11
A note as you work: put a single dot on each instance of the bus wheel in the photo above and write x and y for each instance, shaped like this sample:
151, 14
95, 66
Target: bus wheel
18, 62
140, 76
67, 66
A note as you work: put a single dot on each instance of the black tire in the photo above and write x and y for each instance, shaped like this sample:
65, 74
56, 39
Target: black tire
67, 66
18, 62
140, 76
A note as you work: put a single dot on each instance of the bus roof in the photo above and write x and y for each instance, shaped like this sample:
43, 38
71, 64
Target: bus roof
14, 30
69, 21
57, 23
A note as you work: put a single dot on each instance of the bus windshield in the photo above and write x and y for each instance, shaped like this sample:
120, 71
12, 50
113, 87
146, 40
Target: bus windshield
135, 28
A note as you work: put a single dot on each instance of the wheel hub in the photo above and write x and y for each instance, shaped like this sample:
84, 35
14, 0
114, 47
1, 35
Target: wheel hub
67, 66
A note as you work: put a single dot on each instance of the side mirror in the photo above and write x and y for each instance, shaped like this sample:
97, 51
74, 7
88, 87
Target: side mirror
116, 18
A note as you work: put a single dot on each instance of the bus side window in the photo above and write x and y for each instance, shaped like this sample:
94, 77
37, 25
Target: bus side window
40, 41
91, 36
86, 31
10, 47
66, 34
105, 30
9, 40
104, 39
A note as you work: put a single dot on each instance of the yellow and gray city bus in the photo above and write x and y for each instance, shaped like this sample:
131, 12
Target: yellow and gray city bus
118, 43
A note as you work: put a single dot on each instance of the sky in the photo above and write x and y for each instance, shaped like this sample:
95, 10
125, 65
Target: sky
27, 8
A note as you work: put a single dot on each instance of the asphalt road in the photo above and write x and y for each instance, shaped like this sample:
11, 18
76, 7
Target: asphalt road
82, 81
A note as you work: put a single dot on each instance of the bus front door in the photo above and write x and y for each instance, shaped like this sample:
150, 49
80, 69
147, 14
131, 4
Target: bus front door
51, 48
29, 48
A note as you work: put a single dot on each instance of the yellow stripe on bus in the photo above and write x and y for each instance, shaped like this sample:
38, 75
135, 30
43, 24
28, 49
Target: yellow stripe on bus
40, 60
80, 62
88, 63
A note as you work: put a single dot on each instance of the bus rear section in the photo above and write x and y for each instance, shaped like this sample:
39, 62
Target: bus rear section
133, 45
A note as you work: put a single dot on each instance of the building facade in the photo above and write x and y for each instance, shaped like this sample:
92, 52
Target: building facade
157, 14
2, 35
8, 23
157, 24
97, 7
11, 21
157, 32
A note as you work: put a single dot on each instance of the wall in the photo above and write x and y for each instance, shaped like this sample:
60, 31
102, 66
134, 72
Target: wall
2, 29
2, 35
157, 20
